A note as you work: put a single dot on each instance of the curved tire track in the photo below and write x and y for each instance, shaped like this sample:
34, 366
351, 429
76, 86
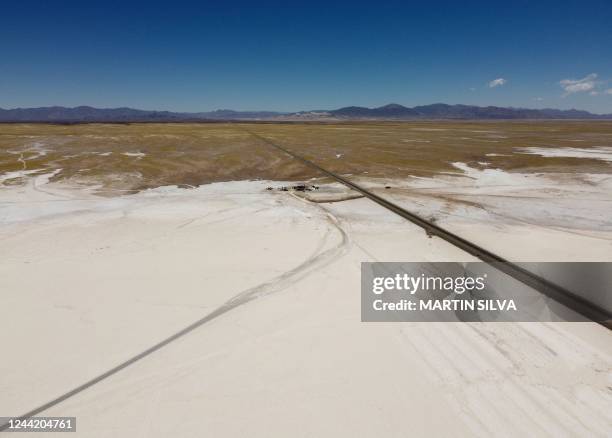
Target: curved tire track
274, 285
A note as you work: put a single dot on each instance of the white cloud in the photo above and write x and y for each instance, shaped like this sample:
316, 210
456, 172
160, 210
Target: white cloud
594, 93
538, 99
497, 82
571, 86
608, 91
472, 89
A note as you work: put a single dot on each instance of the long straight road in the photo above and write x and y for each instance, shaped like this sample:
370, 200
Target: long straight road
568, 298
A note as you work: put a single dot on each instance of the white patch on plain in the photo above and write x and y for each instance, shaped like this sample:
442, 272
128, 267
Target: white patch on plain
17, 174
574, 207
39, 149
43, 179
597, 153
134, 154
429, 129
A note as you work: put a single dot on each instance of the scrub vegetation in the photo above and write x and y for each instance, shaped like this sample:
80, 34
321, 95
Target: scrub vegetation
133, 157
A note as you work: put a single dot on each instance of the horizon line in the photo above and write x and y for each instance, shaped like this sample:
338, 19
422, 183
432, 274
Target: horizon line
298, 111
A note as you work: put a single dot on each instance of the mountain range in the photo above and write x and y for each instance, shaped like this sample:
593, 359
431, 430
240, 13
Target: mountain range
59, 114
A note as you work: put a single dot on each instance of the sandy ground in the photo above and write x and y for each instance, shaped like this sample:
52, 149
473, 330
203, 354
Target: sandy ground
88, 282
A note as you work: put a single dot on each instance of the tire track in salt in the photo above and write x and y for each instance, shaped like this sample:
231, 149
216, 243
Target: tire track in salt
274, 285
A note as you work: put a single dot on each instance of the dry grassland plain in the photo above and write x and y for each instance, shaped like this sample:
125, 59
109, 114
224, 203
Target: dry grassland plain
123, 158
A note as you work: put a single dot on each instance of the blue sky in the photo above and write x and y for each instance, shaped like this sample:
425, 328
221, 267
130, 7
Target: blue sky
199, 56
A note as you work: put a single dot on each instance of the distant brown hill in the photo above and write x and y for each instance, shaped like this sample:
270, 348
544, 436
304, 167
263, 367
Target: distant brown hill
445, 111
58, 114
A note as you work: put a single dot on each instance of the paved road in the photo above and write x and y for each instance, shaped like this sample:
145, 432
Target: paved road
542, 285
